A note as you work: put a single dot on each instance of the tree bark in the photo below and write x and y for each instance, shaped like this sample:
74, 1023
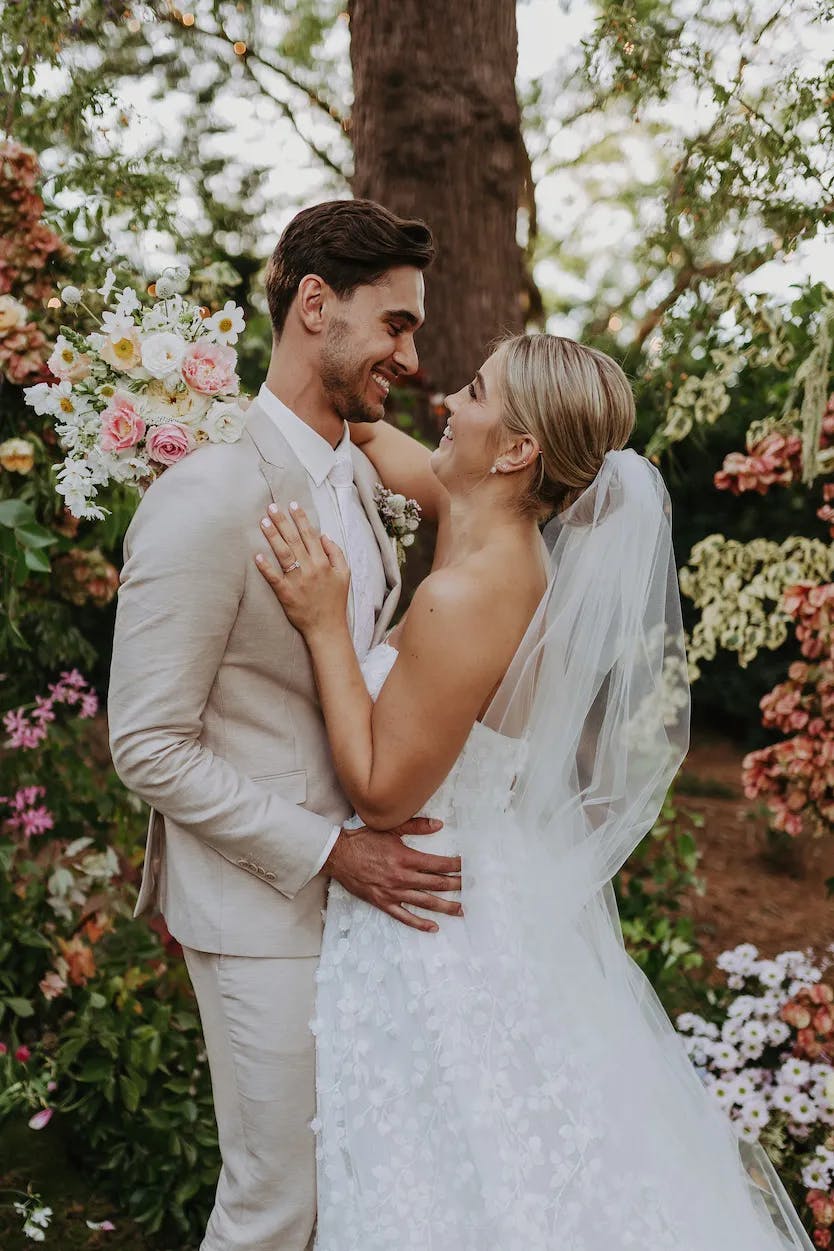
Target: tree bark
436, 135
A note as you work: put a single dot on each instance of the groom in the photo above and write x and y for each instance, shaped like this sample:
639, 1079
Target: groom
214, 717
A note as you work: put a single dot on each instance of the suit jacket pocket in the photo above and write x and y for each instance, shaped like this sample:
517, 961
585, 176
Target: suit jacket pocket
291, 786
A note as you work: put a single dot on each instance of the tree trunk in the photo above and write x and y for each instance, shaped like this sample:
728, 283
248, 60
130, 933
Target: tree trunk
436, 135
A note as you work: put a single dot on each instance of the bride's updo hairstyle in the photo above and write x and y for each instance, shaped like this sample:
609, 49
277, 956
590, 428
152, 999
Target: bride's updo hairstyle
574, 401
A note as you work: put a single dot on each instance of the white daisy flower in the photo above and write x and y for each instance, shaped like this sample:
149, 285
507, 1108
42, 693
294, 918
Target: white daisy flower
746, 1131
795, 1071
784, 1097
778, 1032
226, 325
742, 1006
724, 1056
769, 973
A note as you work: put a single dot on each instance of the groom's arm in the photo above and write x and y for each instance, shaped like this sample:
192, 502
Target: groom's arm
181, 586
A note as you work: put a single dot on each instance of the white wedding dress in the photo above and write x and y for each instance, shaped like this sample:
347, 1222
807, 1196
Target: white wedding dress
472, 1098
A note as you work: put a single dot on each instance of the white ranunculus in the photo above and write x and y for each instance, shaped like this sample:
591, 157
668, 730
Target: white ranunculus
396, 504
223, 423
162, 353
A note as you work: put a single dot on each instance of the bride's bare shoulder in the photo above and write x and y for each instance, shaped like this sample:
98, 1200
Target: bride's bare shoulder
474, 601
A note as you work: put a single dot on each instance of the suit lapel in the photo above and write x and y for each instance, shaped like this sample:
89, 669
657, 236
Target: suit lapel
365, 477
286, 477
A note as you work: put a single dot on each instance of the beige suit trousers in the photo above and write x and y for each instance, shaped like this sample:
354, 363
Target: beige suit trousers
255, 1012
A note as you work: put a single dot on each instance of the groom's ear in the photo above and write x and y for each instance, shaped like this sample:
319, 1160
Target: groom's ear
311, 298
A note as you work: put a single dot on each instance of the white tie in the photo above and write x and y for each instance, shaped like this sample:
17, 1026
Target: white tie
354, 523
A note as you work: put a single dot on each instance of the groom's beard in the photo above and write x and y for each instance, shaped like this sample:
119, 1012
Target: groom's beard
344, 382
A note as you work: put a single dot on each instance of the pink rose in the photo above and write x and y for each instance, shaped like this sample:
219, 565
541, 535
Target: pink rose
22, 1053
122, 427
168, 444
210, 368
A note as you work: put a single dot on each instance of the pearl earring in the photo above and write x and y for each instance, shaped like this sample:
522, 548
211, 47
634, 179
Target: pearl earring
494, 469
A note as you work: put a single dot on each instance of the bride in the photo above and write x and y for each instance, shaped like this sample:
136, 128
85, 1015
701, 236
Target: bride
508, 1081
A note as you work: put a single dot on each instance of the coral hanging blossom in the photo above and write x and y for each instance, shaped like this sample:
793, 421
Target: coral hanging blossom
144, 389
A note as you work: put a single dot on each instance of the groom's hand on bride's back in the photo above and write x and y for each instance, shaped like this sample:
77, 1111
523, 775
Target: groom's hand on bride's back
379, 868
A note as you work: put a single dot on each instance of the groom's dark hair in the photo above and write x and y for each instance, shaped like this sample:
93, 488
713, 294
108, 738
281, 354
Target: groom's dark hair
348, 243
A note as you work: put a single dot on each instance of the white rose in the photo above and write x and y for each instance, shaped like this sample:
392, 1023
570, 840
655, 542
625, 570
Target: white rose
13, 314
407, 540
224, 423
396, 504
162, 353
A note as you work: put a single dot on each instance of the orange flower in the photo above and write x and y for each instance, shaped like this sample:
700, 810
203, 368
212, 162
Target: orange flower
94, 927
79, 959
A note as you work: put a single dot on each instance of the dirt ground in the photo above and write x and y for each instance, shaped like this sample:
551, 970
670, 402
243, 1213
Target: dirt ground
770, 894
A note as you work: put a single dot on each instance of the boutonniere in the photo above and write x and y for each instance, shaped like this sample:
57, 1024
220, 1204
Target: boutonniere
400, 516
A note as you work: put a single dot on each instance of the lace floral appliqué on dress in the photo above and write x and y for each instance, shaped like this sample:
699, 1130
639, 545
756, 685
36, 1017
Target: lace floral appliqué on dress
466, 1103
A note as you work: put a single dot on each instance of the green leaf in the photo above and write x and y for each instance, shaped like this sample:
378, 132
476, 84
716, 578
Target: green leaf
21, 1007
130, 1092
33, 535
15, 513
36, 560
95, 1070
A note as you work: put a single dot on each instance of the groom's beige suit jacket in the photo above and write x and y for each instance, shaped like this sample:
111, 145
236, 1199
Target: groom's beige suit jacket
214, 717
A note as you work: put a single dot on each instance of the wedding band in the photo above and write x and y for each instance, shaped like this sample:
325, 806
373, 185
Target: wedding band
296, 564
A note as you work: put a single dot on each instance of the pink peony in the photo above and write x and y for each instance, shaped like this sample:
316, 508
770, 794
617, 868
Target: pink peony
40, 1119
122, 427
168, 444
210, 368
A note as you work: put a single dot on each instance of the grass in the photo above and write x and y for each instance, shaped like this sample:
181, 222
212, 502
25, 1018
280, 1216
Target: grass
42, 1159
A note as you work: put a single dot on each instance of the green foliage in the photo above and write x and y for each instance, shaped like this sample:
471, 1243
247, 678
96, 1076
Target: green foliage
651, 892
136, 1088
102, 1002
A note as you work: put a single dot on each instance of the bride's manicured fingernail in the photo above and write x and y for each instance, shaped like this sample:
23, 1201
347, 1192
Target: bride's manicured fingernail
266, 523
294, 505
273, 508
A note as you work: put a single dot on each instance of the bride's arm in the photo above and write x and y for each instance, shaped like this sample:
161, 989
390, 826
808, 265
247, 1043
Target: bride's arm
392, 755
403, 464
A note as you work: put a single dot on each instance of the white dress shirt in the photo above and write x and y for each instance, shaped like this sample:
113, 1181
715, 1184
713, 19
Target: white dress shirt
341, 517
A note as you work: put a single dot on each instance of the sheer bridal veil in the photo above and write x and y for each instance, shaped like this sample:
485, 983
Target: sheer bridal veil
598, 698
598, 690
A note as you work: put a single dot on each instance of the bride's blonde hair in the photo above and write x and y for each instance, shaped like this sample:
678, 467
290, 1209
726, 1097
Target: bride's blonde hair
574, 401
